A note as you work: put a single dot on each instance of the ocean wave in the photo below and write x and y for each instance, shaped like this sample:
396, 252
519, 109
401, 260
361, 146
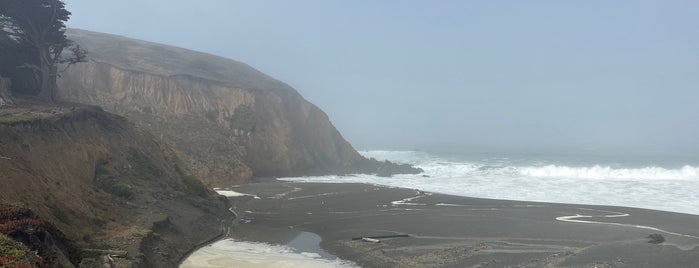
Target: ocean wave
506, 167
609, 173
589, 180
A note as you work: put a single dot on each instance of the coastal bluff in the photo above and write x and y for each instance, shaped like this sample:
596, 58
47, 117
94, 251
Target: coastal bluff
103, 182
227, 121
5, 95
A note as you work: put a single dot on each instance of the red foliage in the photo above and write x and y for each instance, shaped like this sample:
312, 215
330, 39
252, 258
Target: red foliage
8, 213
23, 266
13, 225
4, 260
13, 218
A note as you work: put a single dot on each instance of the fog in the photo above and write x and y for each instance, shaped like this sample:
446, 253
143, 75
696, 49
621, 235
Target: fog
490, 74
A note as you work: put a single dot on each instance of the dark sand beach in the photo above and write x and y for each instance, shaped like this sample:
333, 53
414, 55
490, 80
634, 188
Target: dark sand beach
453, 231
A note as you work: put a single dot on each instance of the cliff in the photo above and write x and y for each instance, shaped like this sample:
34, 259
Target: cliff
5, 95
104, 182
226, 120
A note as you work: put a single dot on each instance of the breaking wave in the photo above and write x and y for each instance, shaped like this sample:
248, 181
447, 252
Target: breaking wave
605, 172
561, 180
502, 167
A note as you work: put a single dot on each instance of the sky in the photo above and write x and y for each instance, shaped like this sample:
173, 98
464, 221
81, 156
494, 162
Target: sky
619, 75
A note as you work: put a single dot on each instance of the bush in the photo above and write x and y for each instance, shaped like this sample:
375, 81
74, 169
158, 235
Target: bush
59, 214
13, 225
194, 186
121, 190
15, 254
101, 169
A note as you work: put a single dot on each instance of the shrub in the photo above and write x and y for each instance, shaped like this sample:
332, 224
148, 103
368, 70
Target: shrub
13, 211
12, 225
101, 169
121, 190
59, 214
15, 254
194, 186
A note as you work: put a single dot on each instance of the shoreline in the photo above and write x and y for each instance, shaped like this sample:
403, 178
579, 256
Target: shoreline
445, 230
223, 235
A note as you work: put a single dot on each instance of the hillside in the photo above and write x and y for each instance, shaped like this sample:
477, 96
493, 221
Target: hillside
226, 120
104, 183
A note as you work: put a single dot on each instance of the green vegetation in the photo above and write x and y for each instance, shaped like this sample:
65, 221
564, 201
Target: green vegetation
33, 40
15, 254
194, 186
14, 118
59, 214
243, 118
144, 166
121, 190
101, 169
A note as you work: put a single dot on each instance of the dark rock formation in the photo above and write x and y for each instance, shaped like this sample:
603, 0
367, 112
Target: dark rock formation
386, 168
226, 120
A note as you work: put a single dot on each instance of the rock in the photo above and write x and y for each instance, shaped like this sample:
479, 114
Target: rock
656, 238
386, 168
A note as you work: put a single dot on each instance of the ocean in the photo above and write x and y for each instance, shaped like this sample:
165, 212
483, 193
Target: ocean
660, 181
655, 181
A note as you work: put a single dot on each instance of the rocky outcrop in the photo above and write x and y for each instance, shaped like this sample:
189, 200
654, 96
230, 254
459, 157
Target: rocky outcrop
104, 182
5, 95
226, 120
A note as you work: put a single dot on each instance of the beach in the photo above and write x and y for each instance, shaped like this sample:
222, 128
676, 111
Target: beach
453, 231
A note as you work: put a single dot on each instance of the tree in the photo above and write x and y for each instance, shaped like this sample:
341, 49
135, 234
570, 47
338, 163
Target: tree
37, 28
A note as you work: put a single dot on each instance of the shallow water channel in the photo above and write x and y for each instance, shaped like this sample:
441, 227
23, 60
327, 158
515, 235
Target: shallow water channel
302, 251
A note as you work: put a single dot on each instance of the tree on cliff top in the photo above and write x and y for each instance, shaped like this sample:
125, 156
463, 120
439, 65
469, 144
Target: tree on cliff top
33, 40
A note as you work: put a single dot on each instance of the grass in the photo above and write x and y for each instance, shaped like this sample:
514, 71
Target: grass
14, 118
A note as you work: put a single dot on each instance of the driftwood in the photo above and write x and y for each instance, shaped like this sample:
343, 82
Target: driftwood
379, 237
111, 253
372, 240
656, 239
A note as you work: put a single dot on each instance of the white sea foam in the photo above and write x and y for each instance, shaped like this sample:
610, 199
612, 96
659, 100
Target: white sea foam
232, 253
605, 172
654, 187
229, 193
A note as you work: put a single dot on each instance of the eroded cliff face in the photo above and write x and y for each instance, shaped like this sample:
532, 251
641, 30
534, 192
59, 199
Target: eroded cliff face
227, 121
103, 181
5, 96
191, 115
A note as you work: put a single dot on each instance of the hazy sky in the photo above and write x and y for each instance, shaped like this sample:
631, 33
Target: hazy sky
582, 74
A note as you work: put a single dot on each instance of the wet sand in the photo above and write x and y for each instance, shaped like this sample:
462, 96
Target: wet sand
452, 231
